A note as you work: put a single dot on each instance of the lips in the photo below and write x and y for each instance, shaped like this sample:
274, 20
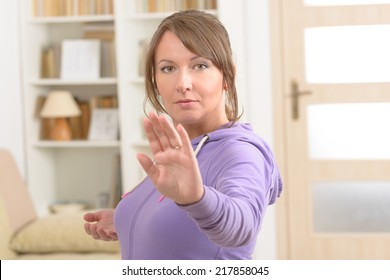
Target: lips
184, 101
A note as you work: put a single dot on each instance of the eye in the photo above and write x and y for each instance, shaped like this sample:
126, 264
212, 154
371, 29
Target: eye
166, 69
201, 66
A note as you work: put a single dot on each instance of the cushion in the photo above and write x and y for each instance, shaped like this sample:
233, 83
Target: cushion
62, 232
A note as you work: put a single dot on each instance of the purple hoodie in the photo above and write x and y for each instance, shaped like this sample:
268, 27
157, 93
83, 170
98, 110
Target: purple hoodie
240, 178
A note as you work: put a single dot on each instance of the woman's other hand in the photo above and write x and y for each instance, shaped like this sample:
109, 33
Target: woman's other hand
100, 225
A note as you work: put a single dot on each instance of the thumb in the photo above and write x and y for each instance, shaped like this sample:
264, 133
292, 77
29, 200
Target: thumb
146, 163
91, 217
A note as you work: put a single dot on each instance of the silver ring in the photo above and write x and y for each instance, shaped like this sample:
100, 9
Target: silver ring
177, 147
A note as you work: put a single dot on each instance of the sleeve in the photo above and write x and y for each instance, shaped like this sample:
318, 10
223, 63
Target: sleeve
232, 209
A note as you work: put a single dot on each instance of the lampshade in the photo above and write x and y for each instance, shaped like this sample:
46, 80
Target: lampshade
60, 104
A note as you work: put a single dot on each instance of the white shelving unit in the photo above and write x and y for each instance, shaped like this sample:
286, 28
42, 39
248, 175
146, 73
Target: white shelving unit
59, 171
80, 170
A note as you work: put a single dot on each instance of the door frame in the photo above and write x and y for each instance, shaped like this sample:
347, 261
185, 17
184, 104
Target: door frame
280, 128
281, 114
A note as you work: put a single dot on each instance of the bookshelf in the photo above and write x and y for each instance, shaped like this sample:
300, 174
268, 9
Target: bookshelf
81, 170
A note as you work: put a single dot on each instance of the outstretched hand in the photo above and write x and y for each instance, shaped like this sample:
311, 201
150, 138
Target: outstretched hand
100, 225
174, 171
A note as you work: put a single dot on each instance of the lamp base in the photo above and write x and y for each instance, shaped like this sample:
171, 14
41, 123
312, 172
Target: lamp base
61, 130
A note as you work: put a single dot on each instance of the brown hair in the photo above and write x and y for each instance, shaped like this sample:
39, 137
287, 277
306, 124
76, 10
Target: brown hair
204, 35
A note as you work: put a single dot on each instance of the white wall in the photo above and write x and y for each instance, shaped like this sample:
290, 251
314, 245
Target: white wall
257, 78
11, 132
258, 81
247, 22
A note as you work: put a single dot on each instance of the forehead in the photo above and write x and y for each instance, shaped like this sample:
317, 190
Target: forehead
168, 37
170, 45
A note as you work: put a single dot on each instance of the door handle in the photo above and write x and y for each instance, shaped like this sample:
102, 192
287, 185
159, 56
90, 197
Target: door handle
295, 94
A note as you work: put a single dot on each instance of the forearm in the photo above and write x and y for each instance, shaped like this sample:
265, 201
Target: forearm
228, 221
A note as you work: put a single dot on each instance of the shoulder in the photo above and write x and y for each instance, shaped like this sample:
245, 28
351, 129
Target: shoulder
236, 145
239, 138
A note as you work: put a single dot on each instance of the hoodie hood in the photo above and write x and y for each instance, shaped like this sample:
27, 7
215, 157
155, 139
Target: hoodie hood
243, 132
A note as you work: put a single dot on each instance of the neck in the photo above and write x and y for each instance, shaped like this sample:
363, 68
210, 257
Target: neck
194, 131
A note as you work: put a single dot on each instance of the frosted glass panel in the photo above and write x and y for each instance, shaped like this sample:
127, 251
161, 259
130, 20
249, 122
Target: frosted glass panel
349, 131
351, 207
347, 54
343, 2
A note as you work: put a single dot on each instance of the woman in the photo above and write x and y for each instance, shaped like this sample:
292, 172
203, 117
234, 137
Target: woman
211, 178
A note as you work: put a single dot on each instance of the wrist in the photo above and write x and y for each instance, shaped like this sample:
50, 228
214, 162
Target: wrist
195, 199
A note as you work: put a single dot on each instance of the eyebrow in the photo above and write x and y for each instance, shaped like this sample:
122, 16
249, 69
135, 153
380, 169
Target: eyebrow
170, 61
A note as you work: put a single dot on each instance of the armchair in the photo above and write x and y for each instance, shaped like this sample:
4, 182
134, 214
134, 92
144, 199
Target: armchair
24, 235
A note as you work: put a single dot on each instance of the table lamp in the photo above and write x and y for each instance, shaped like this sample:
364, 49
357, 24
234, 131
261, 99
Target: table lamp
60, 105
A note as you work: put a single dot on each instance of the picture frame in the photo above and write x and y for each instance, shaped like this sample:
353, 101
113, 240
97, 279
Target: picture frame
80, 59
104, 124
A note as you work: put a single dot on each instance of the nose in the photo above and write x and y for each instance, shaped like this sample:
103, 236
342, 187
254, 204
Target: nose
184, 83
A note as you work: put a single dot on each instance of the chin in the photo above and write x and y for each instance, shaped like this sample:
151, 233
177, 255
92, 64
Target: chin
187, 120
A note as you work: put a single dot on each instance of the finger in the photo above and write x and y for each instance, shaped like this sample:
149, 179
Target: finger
147, 164
170, 131
94, 233
111, 234
187, 146
103, 235
114, 236
90, 217
154, 143
87, 228
159, 130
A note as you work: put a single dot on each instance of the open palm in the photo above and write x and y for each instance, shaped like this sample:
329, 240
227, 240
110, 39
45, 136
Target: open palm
174, 171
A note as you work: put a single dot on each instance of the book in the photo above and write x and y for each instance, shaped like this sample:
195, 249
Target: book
106, 34
85, 118
68, 7
108, 59
99, 30
76, 124
80, 59
51, 62
54, 8
47, 63
103, 101
36, 8
46, 124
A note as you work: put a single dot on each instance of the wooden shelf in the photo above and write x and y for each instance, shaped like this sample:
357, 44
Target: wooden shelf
61, 82
72, 19
77, 144
157, 15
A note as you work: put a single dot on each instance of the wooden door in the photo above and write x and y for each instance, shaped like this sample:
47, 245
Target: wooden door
332, 108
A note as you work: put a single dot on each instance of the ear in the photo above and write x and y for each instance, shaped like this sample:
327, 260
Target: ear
225, 86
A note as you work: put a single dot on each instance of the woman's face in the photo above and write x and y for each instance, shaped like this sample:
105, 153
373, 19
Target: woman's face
191, 87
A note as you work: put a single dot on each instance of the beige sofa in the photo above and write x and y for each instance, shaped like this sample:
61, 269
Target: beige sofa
24, 235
